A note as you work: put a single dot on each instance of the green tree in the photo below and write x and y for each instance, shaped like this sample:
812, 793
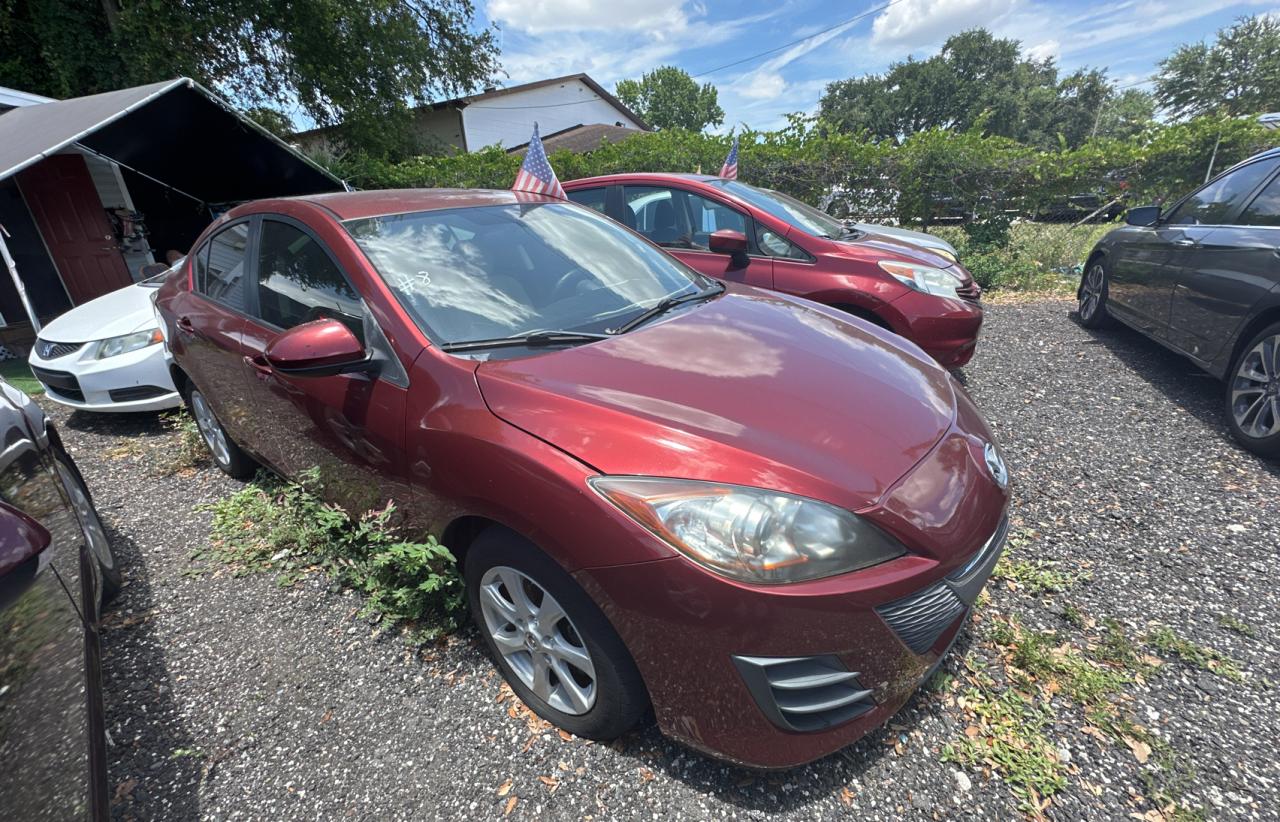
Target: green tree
273, 120
976, 81
360, 62
668, 97
1125, 115
1238, 74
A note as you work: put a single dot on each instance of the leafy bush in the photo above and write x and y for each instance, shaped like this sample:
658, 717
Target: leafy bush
932, 174
1035, 256
286, 526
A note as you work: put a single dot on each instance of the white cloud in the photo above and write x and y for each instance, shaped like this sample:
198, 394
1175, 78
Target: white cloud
762, 86
1043, 50
540, 16
917, 24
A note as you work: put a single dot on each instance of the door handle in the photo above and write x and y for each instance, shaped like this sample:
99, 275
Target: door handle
184, 324
259, 365
1185, 242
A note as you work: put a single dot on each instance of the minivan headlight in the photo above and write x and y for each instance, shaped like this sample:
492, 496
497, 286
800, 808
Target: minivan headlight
750, 534
114, 346
930, 280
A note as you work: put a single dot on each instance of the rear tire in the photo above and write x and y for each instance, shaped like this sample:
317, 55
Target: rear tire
228, 456
571, 668
1253, 393
91, 524
1091, 307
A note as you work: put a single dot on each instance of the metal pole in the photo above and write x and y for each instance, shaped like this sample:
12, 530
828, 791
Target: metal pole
17, 281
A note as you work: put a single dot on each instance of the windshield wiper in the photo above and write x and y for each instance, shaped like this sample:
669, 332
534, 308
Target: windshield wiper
532, 339
666, 304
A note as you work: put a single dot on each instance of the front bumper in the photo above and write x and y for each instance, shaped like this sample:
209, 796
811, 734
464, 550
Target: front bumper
946, 329
774, 677
136, 381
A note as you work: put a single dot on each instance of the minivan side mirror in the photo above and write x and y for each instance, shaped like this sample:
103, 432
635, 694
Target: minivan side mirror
320, 348
1143, 215
733, 243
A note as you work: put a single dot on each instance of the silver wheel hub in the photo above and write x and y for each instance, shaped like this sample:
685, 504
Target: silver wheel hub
1091, 291
210, 429
537, 640
95, 535
1255, 390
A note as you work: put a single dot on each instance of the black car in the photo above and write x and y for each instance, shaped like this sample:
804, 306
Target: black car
56, 569
1203, 278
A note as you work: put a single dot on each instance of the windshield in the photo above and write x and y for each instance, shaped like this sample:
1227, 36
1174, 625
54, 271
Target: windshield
788, 209
499, 271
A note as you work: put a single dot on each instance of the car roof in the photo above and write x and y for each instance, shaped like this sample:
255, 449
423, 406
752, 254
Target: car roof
643, 175
355, 205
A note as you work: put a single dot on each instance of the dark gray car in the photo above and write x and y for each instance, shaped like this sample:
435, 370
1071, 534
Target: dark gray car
1203, 278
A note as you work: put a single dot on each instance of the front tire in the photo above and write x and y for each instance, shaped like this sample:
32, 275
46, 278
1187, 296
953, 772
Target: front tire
226, 453
1092, 299
95, 534
552, 644
1253, 393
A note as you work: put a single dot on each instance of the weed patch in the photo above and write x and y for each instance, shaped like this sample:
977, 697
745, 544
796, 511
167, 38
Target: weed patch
190, 450
1239, 626
1164, 640
273, 524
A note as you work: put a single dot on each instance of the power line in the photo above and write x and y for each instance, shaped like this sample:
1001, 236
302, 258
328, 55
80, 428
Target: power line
853, 19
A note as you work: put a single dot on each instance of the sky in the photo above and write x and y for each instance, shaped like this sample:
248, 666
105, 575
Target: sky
612, 40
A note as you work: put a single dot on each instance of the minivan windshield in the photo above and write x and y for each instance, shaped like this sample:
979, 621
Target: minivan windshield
788, 209
487, 272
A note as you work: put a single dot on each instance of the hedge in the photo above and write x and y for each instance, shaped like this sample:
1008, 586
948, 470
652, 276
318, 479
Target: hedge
930, 175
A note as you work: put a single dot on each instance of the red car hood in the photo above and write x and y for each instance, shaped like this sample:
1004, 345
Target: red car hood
752, 388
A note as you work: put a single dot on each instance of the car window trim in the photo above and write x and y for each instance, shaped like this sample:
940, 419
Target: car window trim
250, 248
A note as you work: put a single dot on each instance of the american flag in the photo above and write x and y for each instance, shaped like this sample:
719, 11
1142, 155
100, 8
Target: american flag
729, 170
536, 175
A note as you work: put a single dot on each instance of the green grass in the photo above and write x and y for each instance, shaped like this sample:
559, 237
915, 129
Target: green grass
1163, 639
18, 374
286, 527
1038, 256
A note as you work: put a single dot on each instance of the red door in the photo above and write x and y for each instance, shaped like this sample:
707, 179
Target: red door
66, 207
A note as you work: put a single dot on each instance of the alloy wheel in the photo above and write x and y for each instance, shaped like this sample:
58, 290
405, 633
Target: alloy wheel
1255, 390
90, 524
210, 429
538, 640
1091, 292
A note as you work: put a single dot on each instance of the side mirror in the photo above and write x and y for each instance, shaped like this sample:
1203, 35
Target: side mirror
1143, 215
320, 348
733, 243
22, 540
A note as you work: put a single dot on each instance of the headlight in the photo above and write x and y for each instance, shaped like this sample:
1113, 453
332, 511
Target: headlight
930, 280
750, 534
129, 342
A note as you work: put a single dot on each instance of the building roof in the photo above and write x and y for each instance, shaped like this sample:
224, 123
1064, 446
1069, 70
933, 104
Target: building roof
12, 98
173, 131
491, 94
581, 138
497, 93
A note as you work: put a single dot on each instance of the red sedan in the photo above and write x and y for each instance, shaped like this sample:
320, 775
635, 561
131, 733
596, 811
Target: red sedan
762, 518
737, 232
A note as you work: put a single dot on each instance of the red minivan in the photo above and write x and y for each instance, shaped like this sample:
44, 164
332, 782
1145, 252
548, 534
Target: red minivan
762, 518
740, 233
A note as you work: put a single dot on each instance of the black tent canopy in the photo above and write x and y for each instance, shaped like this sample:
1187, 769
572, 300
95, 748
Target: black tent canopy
176, 133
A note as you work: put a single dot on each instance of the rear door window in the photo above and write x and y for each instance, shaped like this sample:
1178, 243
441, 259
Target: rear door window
299, 282
1213, 204
220, 267
591, 198
1265, 208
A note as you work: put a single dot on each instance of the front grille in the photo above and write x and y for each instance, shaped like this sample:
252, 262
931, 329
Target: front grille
808, 693
49, 350
919, 619
62, 383
137, 392
970, 291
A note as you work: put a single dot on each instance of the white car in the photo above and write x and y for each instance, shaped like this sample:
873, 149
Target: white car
107, 354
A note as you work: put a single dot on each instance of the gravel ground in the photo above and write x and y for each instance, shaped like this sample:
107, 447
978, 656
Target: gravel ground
231, 697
